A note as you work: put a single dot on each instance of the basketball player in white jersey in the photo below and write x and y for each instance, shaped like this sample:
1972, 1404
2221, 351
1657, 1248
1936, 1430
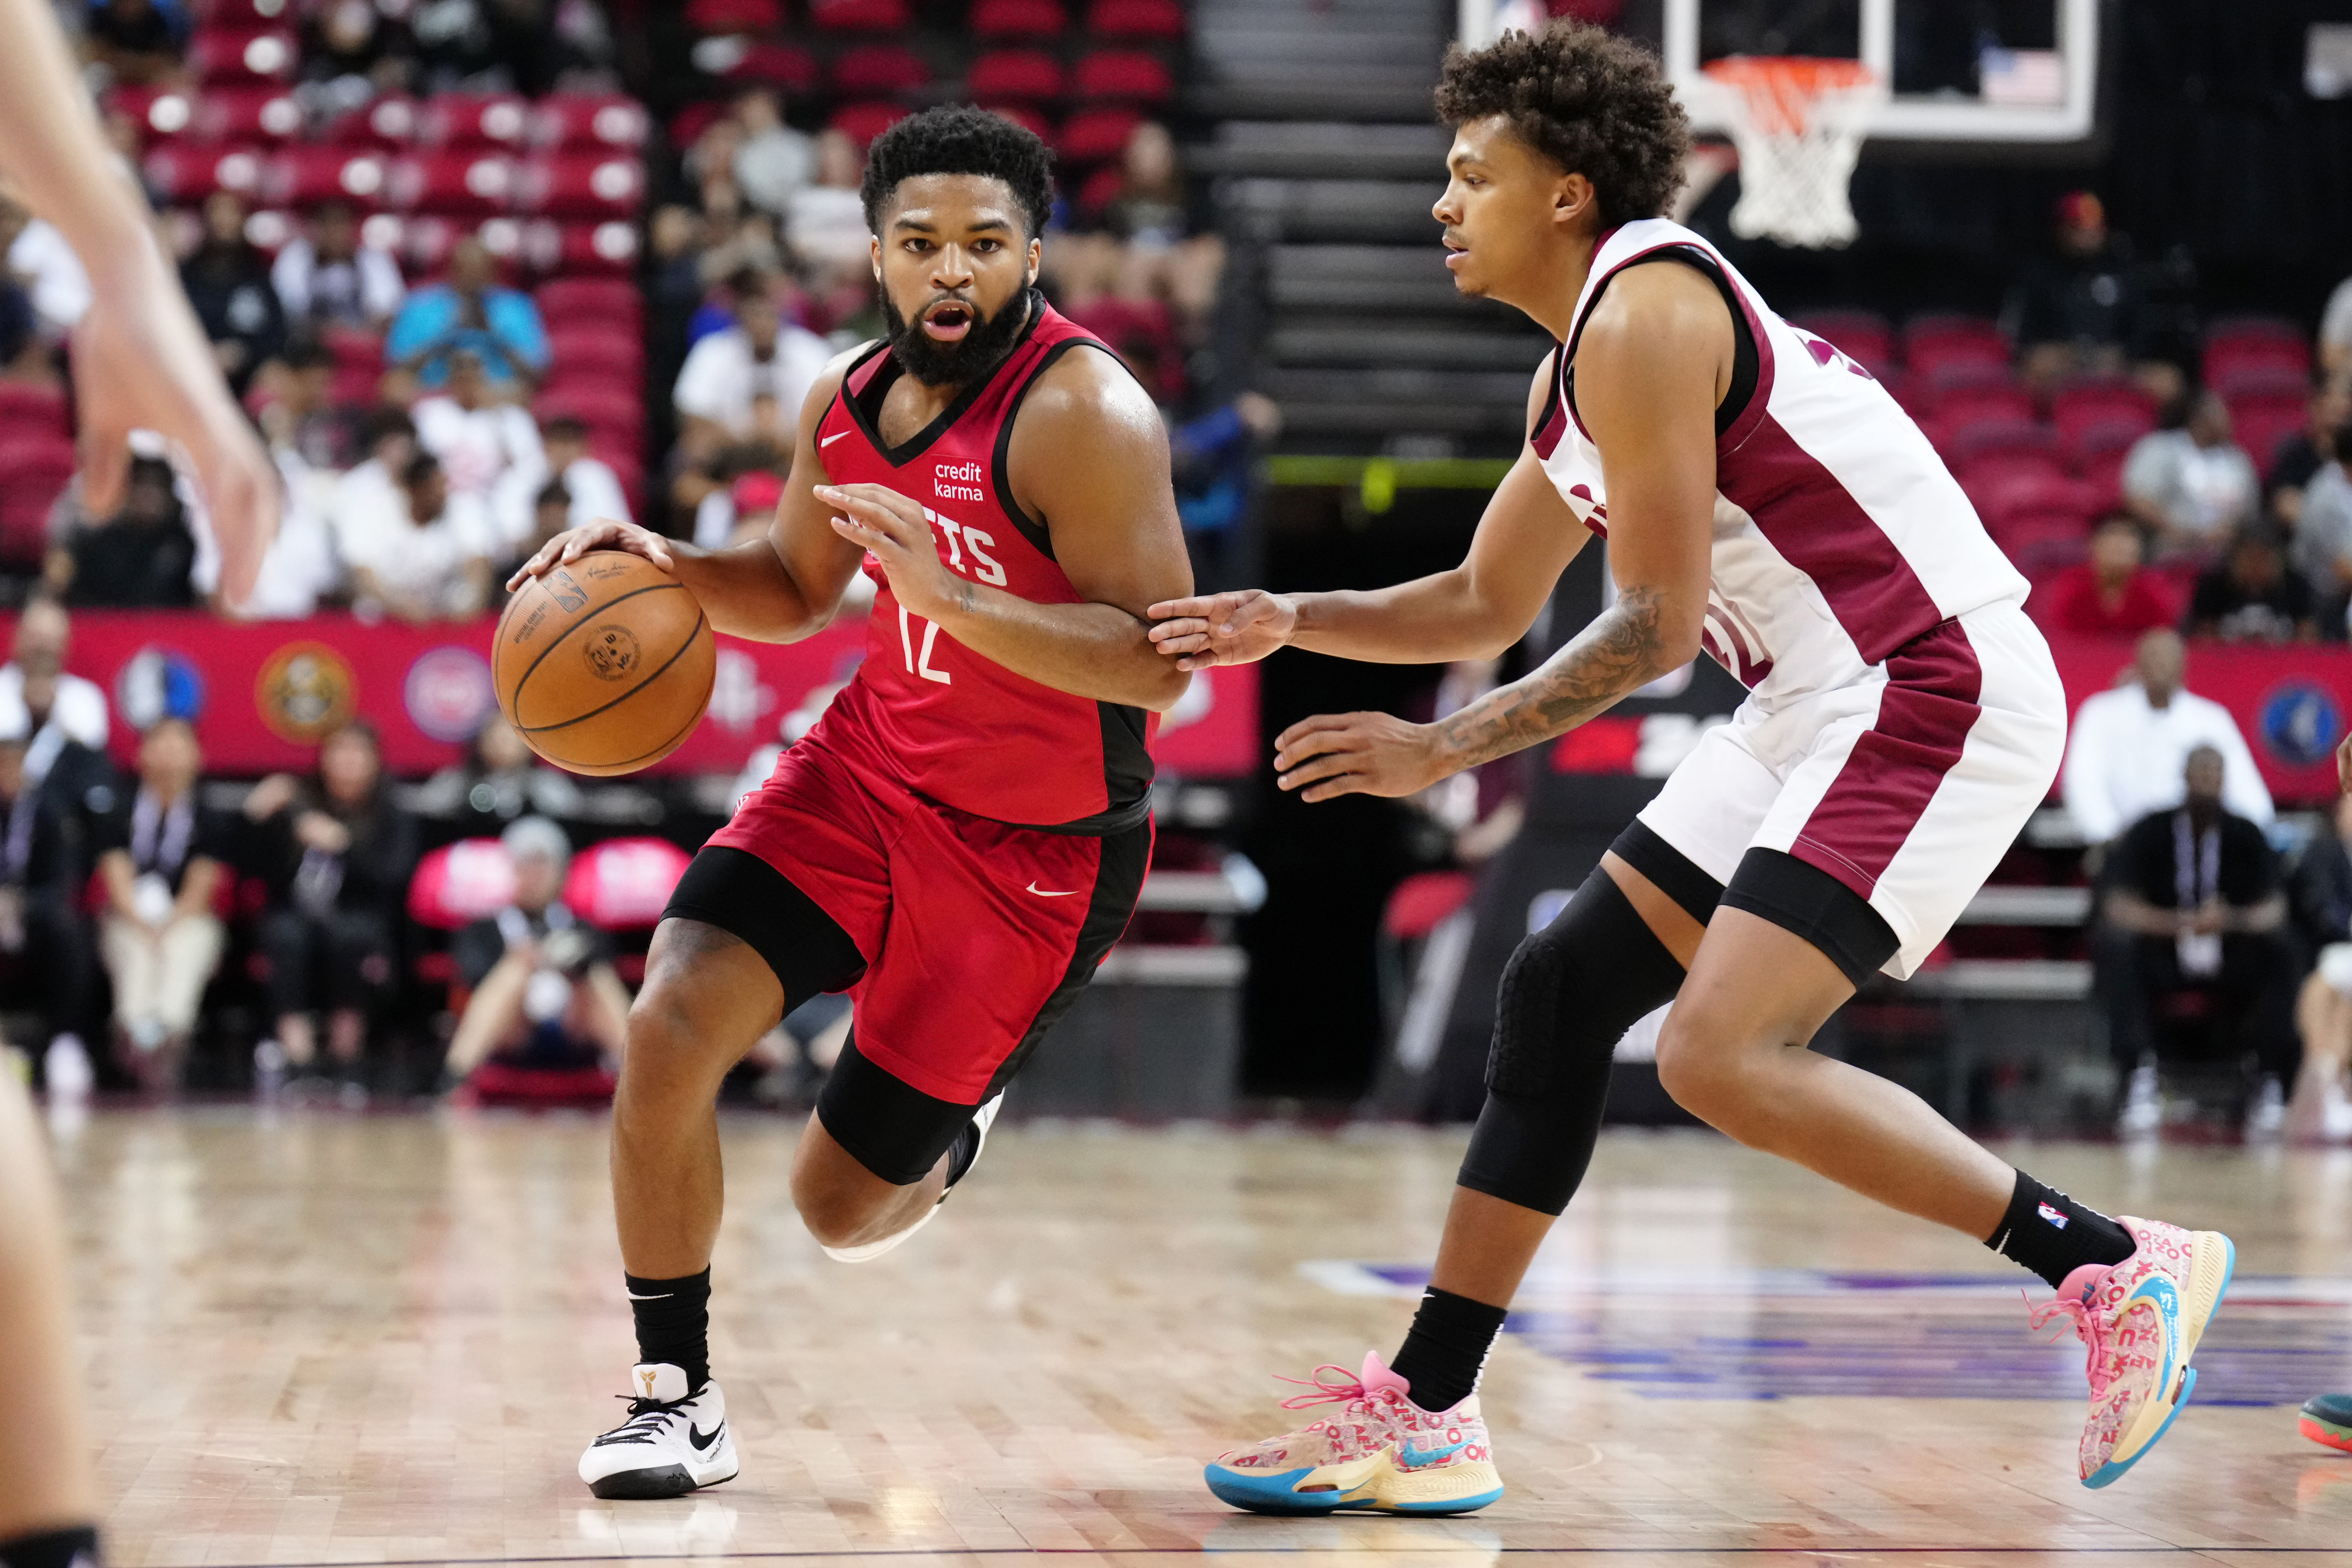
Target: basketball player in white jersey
1765, 501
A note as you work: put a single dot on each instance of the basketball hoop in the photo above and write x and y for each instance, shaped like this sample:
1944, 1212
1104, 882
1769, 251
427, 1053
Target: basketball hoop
1799, 124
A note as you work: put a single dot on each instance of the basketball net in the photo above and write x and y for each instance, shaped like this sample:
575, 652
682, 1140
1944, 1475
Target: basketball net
1799, 124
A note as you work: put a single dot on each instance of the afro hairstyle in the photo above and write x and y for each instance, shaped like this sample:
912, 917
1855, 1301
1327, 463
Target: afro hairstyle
961, 139
1593, 104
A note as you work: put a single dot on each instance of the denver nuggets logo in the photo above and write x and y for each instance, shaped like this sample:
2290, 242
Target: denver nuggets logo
613, 652
305, 689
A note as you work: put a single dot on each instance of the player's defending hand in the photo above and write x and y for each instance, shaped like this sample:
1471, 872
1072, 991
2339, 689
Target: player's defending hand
1334, 754
894, 530
1238, 627
601, 534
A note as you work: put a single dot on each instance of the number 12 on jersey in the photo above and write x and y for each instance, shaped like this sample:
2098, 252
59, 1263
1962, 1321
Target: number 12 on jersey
920, 663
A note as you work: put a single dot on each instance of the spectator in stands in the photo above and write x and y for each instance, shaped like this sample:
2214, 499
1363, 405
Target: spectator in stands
2321, 1108
489, 46
330, 276
772, 160
1150, 241
417, 551
2189, 480
489, 451
591, 488
160, 859
2322, 546
2128, 745
2081, 309
2192, 896
2336, 332
297, 413
137, 41
43, 951
724, 373
500, 780
825, 221
352, 50
2113, 593
469, 311
42, 264
141, 558
335, 852
735, 487
39, 698
2252, 596
2301, 455
227, 281
544, 992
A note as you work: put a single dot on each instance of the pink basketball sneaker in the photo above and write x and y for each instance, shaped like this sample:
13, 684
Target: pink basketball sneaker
1381, 1453
2141, 1319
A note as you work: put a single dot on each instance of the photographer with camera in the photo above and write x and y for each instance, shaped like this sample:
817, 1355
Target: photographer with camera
544, 993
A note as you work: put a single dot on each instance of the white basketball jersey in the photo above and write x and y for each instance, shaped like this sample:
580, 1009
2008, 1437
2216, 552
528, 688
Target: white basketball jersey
1839, 533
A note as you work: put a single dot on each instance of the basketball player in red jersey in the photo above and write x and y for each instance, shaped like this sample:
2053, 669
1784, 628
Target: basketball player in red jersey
961, 837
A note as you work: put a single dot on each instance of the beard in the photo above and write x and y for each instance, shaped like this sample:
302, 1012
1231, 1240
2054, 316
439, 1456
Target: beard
960, 364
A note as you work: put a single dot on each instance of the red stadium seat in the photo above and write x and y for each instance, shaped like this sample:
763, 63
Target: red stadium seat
2239, 343
1016, 19
1970, 441
1016, 76
1938, 339
1421, 903
2250, 382
1143, 334
574, 249
581, 184
27, 410
185, 172
2260, 426
1862, 336
1929, 391
242, 15
354, 385
880, 70
470, 120
587, 120
388, 123
354, 346
601, 299
2004, 484
624, 884
1124, 76
1098, 190
300, 176
161, 113
746, 62
1025, 116
686, 126
715, 17
2043, 544
1960, 408
33, 469
451, 182
861, 123
460, 883
860, 16
2094, 443
227, 58
1161, 20
583, 351
611, 415
246, 114
1092, 135
2078, 405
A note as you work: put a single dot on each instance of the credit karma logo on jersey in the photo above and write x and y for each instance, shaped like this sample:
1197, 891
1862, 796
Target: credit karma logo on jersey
958, 481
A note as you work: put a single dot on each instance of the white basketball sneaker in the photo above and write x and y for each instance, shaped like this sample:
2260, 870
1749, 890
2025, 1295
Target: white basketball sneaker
669, 1444
981, 1119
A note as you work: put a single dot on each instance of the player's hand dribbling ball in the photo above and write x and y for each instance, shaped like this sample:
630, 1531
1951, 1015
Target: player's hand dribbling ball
604, 663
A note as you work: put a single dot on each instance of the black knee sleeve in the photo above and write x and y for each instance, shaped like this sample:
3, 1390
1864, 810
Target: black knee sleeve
1569, 995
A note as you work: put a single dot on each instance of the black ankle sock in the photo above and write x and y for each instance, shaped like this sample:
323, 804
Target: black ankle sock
1446, 1346
2053, 1235
52, 1549
674, 1323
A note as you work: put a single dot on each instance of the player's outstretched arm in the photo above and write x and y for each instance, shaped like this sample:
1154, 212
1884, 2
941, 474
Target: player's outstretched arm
1526, 539
1089, 458
779, 588
141, 361
1651, 365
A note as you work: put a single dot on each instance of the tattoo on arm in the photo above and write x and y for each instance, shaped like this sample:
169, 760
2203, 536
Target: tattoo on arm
1618, 653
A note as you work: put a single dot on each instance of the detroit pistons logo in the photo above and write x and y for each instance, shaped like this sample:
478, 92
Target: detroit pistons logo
612, 651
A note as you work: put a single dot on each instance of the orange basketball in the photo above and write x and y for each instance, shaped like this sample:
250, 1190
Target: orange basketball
604, 666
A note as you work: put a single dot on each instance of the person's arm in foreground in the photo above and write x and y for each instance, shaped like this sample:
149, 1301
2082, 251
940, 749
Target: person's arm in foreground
141, 361
1089, 456
46, 1480
781, 587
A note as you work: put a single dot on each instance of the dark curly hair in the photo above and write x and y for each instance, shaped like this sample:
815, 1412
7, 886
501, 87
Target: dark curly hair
1593, 104
961, 139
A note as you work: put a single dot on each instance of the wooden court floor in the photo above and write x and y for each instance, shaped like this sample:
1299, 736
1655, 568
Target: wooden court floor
317, 1338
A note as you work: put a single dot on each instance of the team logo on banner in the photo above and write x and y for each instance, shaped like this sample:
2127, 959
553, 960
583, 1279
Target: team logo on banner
2299, 723
159, 683
449, 693
304, 690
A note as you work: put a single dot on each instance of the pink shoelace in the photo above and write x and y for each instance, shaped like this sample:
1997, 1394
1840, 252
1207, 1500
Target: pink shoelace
2085, 1318
1347, 1391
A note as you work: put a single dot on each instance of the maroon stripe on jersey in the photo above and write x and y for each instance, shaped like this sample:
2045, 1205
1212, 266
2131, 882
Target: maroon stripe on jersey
1554, 422
1823, 532
1925, 714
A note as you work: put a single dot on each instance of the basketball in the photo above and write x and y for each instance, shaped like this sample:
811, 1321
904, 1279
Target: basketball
604, 666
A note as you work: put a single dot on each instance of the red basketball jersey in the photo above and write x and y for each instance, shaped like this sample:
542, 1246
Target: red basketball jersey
923, 708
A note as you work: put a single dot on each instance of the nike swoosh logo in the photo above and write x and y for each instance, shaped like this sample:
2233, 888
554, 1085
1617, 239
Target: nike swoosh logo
1414, 1457
633, 1296
1044, 893
703, 1444
824, 441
